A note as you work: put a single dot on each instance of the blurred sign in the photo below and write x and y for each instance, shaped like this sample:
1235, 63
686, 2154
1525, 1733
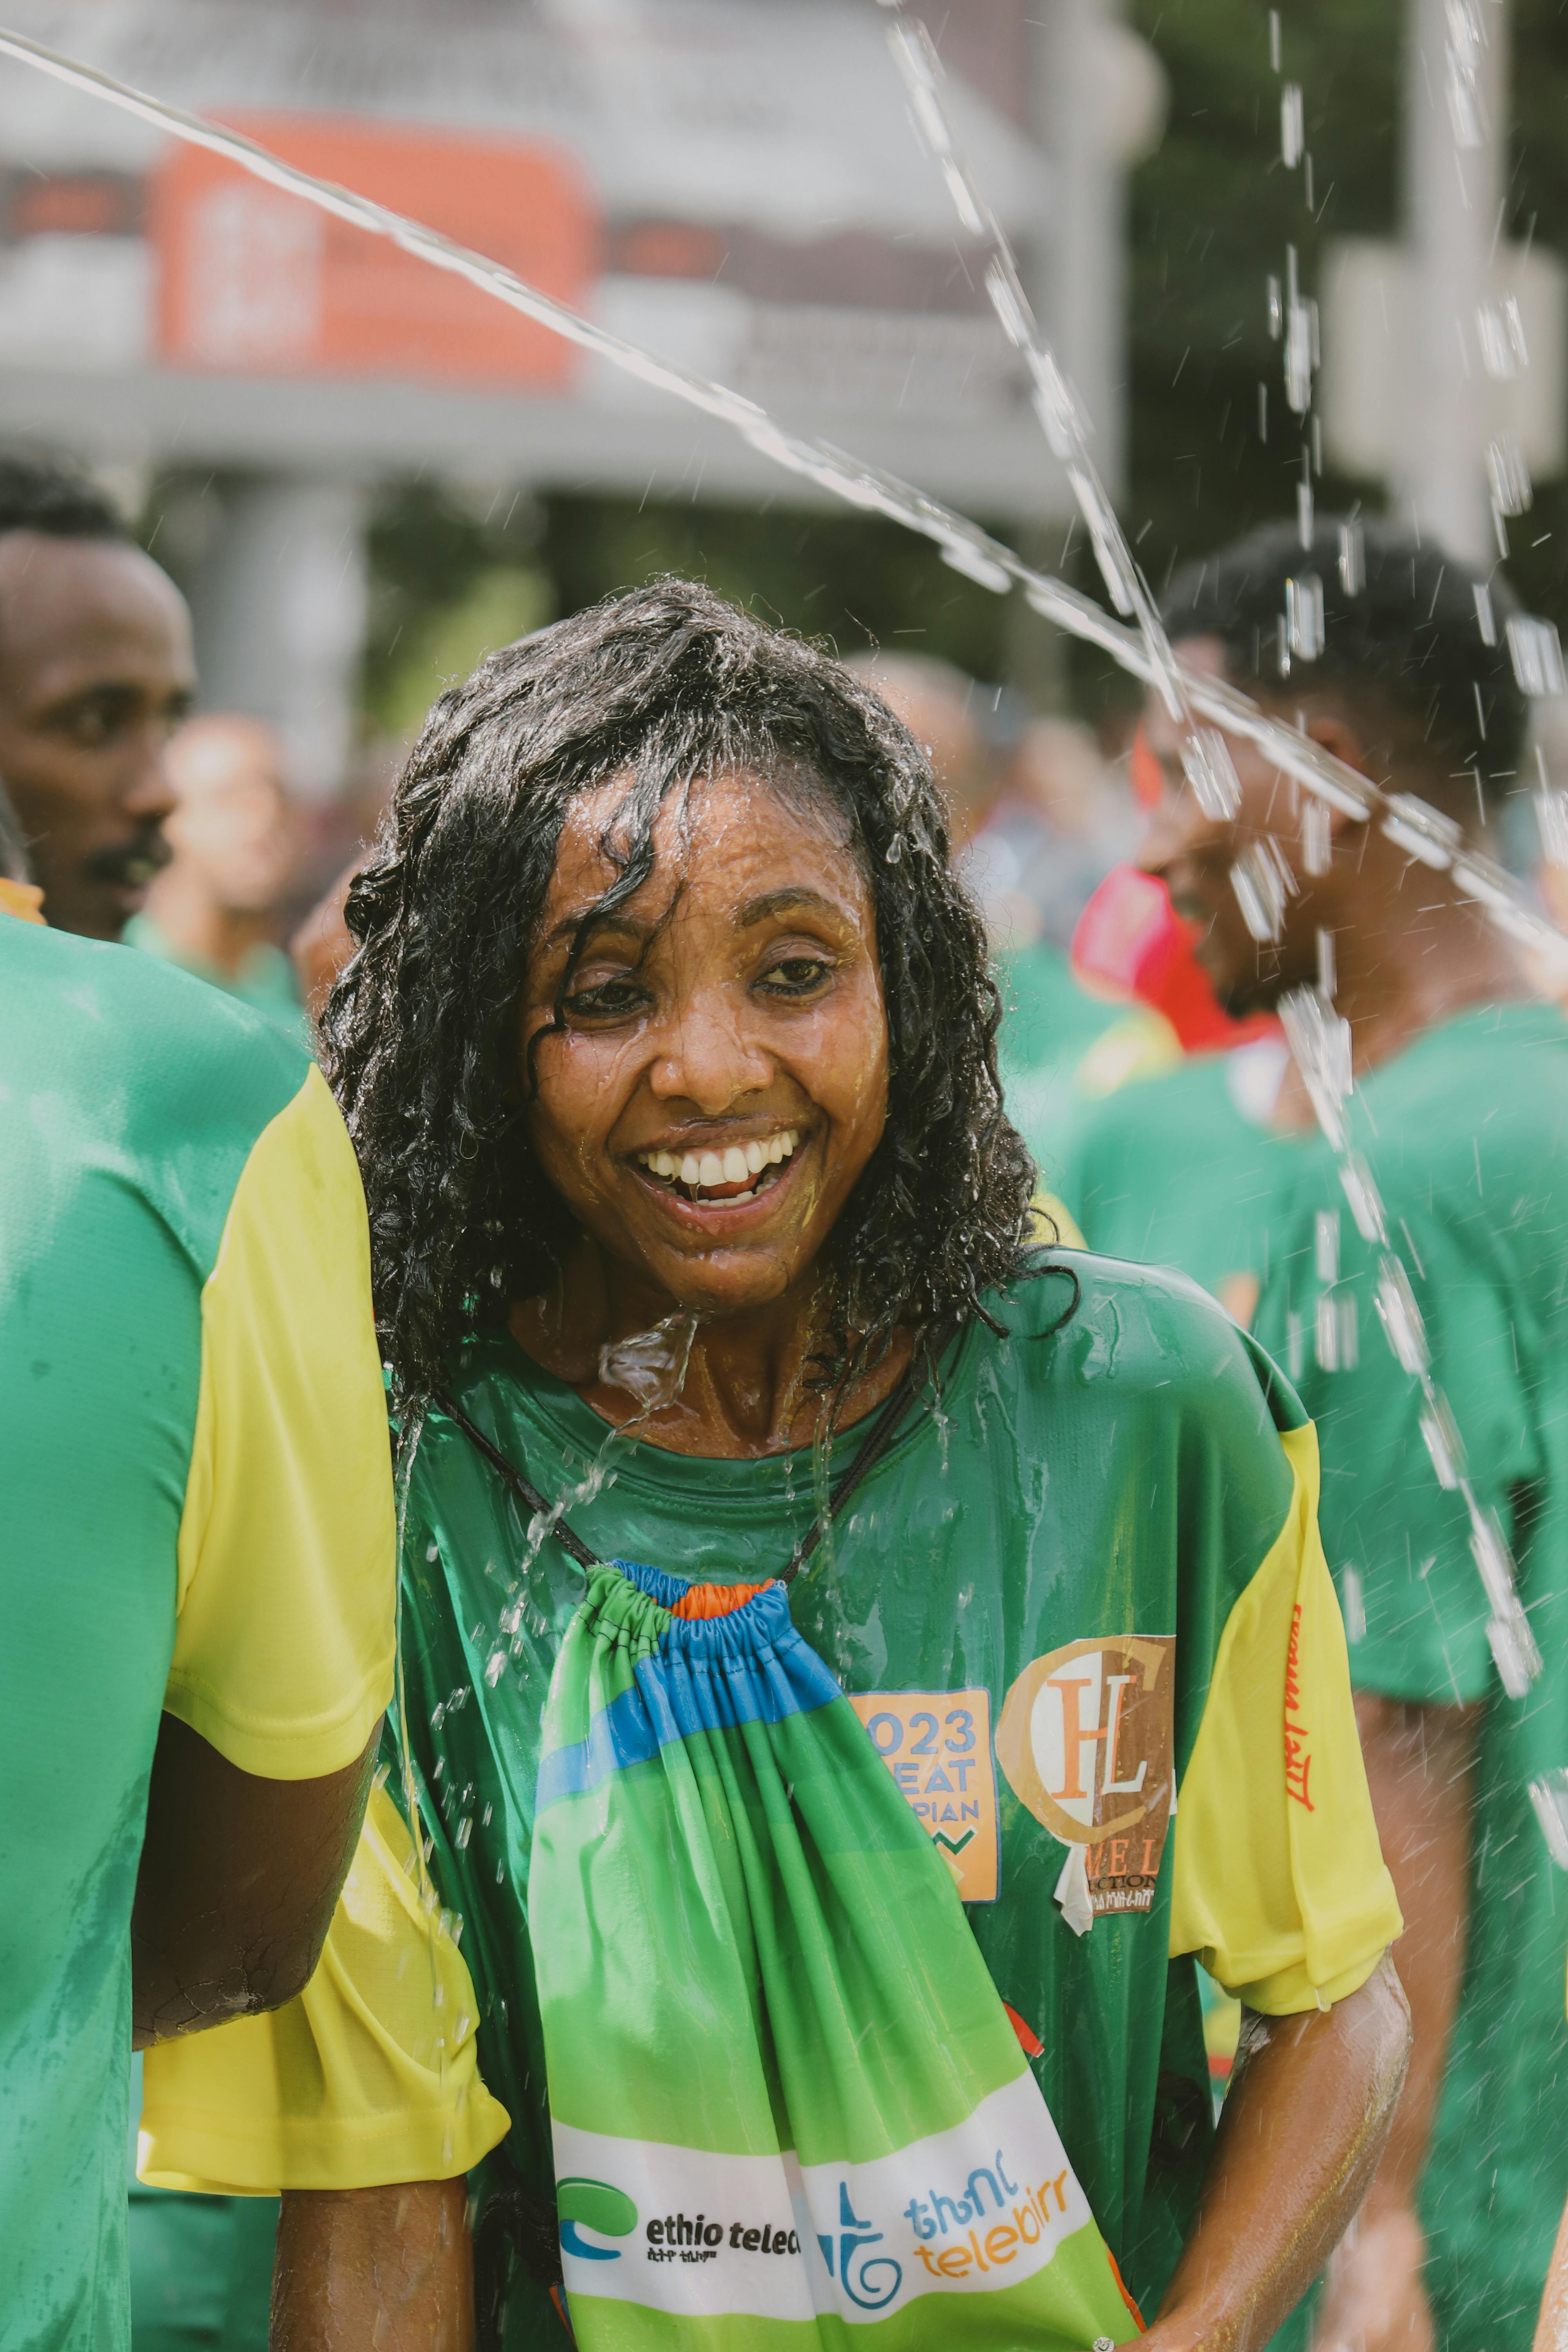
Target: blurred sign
1516, 356
259, 282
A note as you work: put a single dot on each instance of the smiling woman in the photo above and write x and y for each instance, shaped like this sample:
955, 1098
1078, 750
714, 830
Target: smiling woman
814, 1599
682, 889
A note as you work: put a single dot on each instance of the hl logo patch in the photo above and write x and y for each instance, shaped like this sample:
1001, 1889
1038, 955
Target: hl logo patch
1086, 1740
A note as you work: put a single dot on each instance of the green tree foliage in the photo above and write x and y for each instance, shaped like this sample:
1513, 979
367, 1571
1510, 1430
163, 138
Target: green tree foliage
1212, 210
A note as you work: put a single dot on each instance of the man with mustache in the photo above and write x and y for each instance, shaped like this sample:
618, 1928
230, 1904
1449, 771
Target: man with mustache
95, 671
1458, 1120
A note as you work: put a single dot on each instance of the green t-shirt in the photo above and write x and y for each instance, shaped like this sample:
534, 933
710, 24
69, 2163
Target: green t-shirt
1074, 1524
1466, 1134
200, 2267
149, 1126
264, 980
1059, 1047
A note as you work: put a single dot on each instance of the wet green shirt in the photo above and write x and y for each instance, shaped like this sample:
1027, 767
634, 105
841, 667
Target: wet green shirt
1466, 1133
1090, 1578
1027, 1601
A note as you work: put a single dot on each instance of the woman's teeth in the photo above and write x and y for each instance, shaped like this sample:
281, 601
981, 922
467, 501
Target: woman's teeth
703, 1171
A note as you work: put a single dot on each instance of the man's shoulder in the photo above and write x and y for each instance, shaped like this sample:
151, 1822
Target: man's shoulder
143, 1065
1479, 1102
1148, 1138
1194, 1095
81, 1002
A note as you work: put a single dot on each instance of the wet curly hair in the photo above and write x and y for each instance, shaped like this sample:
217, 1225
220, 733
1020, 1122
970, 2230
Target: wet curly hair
666, 684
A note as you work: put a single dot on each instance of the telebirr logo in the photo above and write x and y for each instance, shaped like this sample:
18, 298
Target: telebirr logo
862, 2275
1086, 1740
593, 2205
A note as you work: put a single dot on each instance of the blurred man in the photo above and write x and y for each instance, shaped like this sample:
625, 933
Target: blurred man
1460, 1116
196, 1580
1035, 819
1034, 830
233, 840
95, 671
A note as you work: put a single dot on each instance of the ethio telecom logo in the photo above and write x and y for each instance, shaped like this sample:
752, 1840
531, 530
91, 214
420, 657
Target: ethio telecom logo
584, 2204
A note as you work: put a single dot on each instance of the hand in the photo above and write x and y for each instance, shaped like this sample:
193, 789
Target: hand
1374, 2299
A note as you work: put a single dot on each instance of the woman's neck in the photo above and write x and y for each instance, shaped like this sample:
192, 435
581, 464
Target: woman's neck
732, 1387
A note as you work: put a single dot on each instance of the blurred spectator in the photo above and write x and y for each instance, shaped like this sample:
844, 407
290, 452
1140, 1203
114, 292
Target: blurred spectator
1061, 820
95, 670
322, 944
1039, 819
1037, 815
235, 841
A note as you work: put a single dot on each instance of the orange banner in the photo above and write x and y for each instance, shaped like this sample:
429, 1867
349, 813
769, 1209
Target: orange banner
256, 282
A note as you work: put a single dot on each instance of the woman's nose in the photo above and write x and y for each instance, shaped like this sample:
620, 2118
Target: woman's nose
709, 1059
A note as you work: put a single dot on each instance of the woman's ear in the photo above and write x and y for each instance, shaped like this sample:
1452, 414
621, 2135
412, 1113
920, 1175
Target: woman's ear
1340, 736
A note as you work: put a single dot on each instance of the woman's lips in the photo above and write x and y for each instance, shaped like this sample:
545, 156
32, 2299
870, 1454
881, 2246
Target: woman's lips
731, 1203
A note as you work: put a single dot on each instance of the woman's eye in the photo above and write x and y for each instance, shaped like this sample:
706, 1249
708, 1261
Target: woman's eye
795, 975
606, 1000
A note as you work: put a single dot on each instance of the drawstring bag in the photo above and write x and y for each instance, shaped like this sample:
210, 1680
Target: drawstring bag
786, 2098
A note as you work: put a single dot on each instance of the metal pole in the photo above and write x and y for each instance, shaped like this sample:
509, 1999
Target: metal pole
1078, 286
1084, 278
1456, 134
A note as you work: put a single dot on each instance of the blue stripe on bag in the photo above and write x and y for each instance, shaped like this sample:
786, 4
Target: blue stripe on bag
709, 1675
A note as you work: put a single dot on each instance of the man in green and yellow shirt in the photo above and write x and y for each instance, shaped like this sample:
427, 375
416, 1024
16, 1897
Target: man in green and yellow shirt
1459, 1115
197, 1572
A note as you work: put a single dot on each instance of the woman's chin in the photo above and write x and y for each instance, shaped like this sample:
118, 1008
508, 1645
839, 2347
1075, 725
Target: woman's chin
724, 1281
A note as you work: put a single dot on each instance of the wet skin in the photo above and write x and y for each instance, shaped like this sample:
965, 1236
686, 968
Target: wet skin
95, 671
735, 999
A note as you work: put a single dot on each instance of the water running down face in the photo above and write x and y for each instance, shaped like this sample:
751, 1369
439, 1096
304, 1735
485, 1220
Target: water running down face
721, 1080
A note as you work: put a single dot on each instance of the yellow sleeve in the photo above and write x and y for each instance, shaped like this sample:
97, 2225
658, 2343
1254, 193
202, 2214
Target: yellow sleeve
1279, 1882
371, 2077
286, 1583
1054, 1223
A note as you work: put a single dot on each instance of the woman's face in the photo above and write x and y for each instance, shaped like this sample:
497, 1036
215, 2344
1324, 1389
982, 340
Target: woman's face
722, 1076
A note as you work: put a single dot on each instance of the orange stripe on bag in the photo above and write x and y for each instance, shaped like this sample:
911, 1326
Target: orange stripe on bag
715, 1599
1127, 2299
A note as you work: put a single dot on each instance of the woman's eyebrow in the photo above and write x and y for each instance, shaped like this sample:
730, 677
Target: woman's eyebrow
591, 925
782, 902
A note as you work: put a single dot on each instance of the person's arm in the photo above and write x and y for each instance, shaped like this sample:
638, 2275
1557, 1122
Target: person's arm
1552, 2328
236, 1885
389, 2269
1420, 1767
1304, 2124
